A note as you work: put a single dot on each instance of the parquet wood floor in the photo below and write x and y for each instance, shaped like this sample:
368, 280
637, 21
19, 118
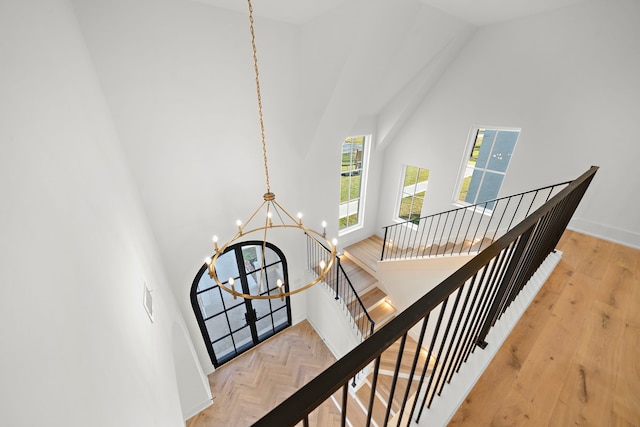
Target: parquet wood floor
573, 359
257, 381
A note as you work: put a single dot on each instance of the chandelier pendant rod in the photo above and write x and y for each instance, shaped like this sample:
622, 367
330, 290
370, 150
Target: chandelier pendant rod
272, 205
258, 93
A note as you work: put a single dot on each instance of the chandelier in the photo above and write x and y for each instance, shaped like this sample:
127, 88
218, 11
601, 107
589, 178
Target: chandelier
269, 215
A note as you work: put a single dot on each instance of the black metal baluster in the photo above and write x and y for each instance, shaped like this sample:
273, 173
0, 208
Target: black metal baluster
372, 397
412, 371
449, 360
345, 394
443, 307
438, 357
394, 381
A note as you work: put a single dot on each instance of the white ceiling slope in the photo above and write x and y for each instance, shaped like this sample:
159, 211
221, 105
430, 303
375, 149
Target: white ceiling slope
291, 11
477, 12
487, 12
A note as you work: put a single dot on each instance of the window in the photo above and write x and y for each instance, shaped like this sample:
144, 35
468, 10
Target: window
490, 153
230, 326
414, 188
351, 182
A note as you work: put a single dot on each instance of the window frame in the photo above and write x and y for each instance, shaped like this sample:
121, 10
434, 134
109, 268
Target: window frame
401, 193
363, 169
469, 146
229, 304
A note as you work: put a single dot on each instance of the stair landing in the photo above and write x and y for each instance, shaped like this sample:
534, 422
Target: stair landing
360, 263
366, 253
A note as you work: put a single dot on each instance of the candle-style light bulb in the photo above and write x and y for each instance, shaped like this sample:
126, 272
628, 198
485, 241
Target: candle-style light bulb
269, 221
233, 288
300, 218
324, 228
207, 260
239, 224
279, 285
323, 264
215, 243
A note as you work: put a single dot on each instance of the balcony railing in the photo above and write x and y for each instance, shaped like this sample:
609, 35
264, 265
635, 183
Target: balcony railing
463, 230
341, 286
453, 320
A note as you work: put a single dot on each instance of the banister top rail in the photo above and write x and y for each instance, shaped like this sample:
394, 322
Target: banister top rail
487, 202
298, 406
356, 295
461, 230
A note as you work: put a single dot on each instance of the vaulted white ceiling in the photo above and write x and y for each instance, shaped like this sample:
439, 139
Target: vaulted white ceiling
486, 12
477, 12
292, 11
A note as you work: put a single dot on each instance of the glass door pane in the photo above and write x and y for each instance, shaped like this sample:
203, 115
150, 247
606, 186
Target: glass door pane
231, 325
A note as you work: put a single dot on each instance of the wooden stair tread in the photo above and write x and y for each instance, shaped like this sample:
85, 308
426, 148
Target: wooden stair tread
379, 408
446, 248
382, 314
389, 358
367, 252
370, 300
359, 278
373, 297
481, 244
355, 413
384, 388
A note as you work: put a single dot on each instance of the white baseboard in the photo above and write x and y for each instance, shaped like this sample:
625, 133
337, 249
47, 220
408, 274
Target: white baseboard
197, 409
605, 232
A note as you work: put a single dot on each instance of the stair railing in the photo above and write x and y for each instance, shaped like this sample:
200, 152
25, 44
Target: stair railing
462, 230
453, 318
340, 284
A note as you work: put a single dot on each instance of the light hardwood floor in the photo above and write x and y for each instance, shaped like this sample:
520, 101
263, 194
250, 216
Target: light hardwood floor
574, 357
252, 384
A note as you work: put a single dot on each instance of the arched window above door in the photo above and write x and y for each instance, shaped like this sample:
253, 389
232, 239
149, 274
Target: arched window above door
232, 326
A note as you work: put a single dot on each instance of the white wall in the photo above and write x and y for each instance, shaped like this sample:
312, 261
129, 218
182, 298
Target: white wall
388, 45
569, 79
77, 346
405, 281
331, 321
178, 78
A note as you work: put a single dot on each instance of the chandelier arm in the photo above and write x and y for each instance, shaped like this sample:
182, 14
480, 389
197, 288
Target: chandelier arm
320, 276
254, 213
258, 93
264, 248
285, 211
275, 208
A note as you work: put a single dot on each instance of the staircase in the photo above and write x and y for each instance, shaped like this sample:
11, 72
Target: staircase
359, 262
358, 400
466, 310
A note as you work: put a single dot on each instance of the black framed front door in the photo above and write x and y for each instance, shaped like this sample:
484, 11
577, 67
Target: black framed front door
232, 326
